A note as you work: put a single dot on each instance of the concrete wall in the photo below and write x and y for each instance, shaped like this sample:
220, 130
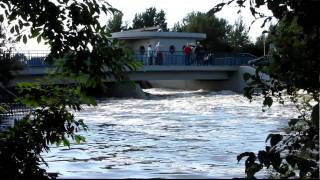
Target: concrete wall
188, 84
235, 82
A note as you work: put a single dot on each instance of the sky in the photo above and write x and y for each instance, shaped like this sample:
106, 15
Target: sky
175, 11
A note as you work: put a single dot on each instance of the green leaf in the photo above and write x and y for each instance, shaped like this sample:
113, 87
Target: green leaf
246, 76
276, 160
58, 143
12, 30
19, 38
263, 158
315, 115
20, 24
16, 28
248, 91
274, 139
2, 6
35, 32
79, 139
1, 18
2, 109
292, 160
250, 154
25, 39
268, 101
293, 122
66, 142
39, 39
253, 169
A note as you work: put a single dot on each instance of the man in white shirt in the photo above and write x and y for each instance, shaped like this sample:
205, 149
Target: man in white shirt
150, 54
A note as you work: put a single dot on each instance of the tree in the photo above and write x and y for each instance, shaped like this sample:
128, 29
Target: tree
115, 24
8, 65
82, 51
238, 37
215, 28
178, 27
150, 18
294, 71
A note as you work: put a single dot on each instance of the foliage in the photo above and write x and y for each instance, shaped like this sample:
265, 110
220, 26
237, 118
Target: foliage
221, 36
257, 48
295, 154
294, 71
2, 37
238, 37
84, 55
8, 65
150, 18
215, 28
50, 123
115, 24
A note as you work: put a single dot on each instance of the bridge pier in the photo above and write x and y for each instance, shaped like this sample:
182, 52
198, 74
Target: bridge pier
125, 90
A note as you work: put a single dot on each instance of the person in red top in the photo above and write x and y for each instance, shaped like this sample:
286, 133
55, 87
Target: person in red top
187, 52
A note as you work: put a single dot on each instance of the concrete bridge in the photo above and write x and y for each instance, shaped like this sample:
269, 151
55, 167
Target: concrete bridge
217, 72
176, 77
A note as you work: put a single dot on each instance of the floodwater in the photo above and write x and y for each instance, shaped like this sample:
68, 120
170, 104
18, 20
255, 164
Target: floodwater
173, 134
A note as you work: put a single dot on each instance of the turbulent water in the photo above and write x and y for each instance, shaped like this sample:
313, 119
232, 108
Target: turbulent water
173, 134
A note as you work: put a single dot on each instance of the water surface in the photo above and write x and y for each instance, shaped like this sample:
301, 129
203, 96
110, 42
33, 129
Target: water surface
173, 134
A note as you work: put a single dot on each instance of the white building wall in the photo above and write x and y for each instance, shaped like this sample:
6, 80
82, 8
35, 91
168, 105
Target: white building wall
164, 43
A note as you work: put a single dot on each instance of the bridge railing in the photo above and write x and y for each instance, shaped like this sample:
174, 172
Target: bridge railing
32, 58
165, 58
206, 59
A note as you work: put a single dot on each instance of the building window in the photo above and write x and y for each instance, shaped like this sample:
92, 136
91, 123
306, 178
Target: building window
142, 50
172, 49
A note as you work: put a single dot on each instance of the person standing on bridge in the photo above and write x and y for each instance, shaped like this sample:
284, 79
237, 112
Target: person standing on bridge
199, 54
187, 52
158, 54
150, 54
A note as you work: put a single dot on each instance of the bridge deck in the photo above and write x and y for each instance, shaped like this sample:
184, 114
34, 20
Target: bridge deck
171, 66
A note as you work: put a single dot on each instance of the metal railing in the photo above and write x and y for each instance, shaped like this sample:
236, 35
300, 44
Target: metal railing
12, 108
165, 58
30, 58
206, 59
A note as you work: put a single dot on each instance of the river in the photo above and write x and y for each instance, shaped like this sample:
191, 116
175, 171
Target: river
173, 134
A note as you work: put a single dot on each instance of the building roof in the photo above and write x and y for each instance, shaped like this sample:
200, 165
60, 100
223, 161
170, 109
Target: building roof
153, 28
161, 35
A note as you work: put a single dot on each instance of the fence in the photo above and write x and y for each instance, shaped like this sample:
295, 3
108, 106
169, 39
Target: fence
37, 58
12, 107
206, 59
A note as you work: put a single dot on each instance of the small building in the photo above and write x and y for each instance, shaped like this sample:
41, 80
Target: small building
140, 39
168, 40
171, 43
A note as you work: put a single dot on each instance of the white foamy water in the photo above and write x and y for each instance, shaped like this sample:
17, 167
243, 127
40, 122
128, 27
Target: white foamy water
173, 134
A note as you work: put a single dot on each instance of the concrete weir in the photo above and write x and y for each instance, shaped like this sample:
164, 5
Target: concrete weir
234, 82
